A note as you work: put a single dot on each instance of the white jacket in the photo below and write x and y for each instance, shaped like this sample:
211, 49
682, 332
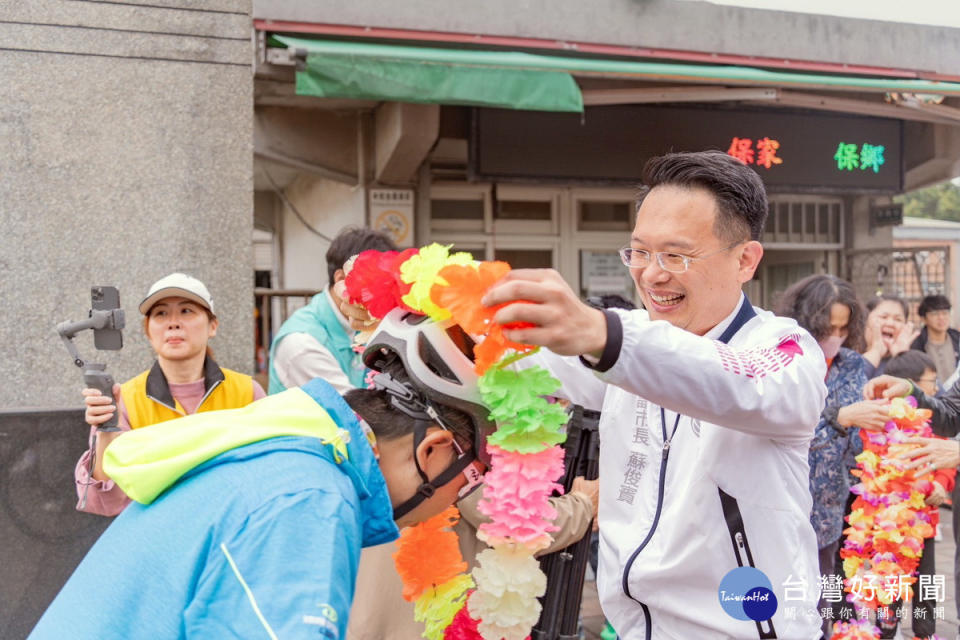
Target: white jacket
747, 414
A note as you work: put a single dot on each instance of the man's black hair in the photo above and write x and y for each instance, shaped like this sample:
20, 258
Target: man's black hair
738, 190
910, 365
389, 423
810, 301
933, 303
352, 241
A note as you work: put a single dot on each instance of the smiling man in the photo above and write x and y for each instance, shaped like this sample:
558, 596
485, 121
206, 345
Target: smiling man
709, 406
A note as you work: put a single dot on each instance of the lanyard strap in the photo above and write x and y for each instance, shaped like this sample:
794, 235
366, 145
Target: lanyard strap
731, 510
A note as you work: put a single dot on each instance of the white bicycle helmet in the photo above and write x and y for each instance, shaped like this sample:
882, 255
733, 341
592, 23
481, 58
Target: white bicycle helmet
438, 358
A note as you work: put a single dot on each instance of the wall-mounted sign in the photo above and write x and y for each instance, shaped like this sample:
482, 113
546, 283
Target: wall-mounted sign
391, 211
791, 150
865, 157
765, 154
888, 215
602, 273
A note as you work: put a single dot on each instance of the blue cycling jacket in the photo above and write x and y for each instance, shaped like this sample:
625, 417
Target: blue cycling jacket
248, 524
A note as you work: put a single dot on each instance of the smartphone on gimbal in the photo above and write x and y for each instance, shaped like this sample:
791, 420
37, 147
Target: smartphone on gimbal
106, 299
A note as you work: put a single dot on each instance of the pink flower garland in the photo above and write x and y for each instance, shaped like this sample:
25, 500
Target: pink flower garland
516, 496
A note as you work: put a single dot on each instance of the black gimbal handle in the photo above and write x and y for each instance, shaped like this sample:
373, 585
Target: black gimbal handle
107, 320
95, 376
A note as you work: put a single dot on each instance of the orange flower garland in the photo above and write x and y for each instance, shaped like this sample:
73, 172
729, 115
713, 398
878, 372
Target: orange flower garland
429, 555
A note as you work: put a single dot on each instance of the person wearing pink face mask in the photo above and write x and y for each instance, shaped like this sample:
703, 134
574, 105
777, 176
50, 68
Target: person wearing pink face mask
828, 308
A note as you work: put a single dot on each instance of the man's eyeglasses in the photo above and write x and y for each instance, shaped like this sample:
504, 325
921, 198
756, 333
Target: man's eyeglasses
672, 262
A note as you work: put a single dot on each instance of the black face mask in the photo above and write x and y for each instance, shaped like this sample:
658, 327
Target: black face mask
412, 403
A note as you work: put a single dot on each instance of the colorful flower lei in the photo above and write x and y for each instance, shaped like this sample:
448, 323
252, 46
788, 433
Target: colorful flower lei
890, 519
855, 630
526, 457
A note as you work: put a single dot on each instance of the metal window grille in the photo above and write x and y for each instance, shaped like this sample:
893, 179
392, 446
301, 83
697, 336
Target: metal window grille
804, 222
908, 272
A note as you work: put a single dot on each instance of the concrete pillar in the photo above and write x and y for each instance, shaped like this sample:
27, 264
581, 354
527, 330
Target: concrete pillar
126, 156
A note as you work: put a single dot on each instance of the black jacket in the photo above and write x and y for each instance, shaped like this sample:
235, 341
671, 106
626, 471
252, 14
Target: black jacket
946, 410
920, 344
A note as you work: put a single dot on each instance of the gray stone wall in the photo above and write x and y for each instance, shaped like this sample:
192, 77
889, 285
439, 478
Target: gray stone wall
126, 137
664, 24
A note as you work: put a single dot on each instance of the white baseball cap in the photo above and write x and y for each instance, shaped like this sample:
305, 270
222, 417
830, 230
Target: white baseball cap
177, 284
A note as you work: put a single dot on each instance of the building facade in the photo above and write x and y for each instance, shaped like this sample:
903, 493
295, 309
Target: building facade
834, 124
232, 139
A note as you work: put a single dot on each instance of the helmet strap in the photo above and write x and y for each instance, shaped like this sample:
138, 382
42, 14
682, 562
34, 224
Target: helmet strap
428, 487
406, 400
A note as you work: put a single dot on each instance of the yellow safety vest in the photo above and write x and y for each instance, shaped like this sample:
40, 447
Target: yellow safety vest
148, 399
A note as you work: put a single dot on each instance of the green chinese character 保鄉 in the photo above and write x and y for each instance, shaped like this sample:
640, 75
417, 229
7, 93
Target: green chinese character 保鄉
846, 156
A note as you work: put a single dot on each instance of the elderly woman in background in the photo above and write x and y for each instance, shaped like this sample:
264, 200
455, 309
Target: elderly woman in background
829, 309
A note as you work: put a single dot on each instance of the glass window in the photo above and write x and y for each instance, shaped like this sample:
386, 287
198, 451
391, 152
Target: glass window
835, 222
781, 276
602, 273
783, 222
478, 253
604, 216
523, 210
796, 220
526, 258
456, 209
770, 228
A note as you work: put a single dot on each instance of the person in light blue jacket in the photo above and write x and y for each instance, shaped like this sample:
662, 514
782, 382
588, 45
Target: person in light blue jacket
248, 523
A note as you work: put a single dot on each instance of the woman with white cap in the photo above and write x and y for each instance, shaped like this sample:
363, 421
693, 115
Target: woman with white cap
179, 321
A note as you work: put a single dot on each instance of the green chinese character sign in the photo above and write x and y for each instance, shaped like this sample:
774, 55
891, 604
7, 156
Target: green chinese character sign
871, 156
846, 156
868, 156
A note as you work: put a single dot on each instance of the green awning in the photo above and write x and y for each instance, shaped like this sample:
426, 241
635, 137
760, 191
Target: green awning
517, 80
438, 76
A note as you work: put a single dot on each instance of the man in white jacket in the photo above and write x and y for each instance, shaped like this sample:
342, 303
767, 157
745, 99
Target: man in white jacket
708, 406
